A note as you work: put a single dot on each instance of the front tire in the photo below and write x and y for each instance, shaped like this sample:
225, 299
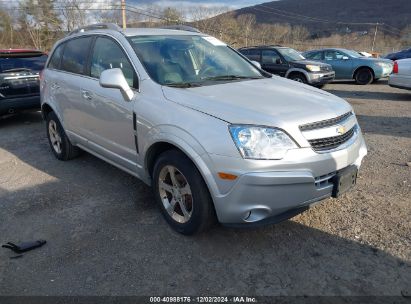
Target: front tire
364, 76
298, 77
58, 140
182, 194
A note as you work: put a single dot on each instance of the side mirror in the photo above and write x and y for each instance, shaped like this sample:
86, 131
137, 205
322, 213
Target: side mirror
114, 79
278, 61
256, 63
345, 58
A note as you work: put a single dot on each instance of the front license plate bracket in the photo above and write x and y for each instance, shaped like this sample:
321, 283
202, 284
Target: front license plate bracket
344, 180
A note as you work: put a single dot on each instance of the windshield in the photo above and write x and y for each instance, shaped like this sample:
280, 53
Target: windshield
290, 54
190, 60
353, 54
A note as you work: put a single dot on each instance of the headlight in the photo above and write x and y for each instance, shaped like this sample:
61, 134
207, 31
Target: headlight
313, 68
384, 64
261, 143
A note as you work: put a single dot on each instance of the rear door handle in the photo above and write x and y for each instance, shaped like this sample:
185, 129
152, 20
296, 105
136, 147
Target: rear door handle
86, 95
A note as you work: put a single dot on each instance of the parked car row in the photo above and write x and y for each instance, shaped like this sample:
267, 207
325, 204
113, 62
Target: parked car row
289, 63
20, 69
319, 67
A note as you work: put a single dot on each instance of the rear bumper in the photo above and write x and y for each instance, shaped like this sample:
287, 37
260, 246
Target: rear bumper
19, 104
320, 78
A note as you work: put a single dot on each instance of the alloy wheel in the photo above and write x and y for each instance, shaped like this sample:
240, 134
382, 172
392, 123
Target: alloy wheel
175, 194
55, 138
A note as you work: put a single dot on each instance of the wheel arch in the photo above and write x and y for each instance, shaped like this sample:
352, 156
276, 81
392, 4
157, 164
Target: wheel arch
363, 67
297, 70
170, 141
45, 110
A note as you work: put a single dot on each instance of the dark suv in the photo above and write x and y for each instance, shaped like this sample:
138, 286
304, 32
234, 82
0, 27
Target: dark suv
289, 63
19, 79
404, 54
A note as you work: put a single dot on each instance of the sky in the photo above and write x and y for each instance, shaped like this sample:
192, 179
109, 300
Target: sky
232, 4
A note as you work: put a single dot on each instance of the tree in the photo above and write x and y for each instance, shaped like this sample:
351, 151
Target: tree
246, 23
172, 16
74, 13
40, 21
6, 29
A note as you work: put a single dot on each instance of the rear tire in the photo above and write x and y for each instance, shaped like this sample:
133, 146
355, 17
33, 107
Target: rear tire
364, 76
298, 77
58, 140
182, 194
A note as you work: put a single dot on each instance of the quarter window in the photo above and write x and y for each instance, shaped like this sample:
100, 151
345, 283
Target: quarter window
75, 55
56, 57
254, 55
107, 54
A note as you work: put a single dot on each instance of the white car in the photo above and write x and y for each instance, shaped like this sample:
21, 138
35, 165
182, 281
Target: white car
401, 74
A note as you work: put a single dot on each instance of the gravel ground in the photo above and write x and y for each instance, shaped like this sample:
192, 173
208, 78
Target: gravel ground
106, 236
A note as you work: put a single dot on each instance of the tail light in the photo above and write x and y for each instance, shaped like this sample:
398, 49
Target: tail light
395, 69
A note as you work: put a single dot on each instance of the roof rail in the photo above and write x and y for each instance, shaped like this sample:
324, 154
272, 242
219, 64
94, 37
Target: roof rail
97, 26
181, 27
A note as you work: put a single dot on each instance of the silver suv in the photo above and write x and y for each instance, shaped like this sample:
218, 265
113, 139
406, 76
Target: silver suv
214, 135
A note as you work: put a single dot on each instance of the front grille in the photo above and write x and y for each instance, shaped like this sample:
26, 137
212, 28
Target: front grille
329, 143
325, 123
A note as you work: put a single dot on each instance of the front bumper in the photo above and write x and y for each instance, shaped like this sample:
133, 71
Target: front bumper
383, 72
275, 192
320, 78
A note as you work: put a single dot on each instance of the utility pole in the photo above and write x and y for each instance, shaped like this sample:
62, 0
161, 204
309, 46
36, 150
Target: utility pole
375, 36
123, 13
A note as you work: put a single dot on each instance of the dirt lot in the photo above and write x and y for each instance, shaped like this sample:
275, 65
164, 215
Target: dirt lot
106, 236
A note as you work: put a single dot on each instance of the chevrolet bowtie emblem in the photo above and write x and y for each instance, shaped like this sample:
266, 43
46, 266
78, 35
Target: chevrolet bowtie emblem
340, 130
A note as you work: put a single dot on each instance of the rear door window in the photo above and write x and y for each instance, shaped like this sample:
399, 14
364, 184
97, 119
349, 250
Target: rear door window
75, 55
56, 57
315, 56
270, 57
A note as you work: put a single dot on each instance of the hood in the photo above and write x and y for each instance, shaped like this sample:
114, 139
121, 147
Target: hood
306, 61
276, 101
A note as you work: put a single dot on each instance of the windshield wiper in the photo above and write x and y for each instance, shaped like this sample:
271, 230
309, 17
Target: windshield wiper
183, 85
230, 77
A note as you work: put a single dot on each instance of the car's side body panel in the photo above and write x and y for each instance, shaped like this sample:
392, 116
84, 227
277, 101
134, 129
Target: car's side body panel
402, 79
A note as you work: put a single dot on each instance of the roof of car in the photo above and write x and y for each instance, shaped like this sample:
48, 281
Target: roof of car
264, 47
327, 49
157, 31
111, 27
14, 51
